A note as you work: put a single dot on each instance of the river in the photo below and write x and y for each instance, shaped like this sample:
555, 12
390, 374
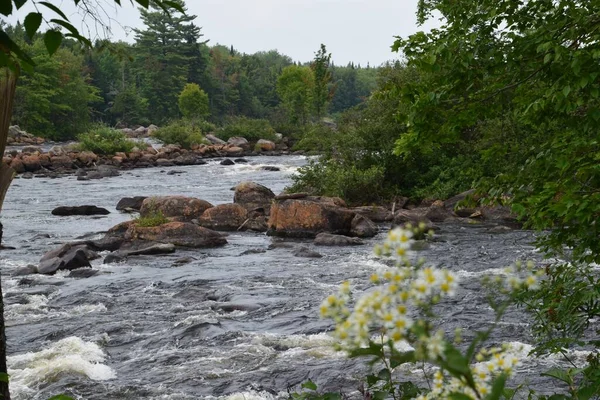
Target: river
225, 325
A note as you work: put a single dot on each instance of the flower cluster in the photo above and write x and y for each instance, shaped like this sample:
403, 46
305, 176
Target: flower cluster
492, 363
411, 288
399, 289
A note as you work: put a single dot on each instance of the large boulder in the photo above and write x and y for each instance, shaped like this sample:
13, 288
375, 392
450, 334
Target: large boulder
252, 196
328, 239
176, 208
64, 211
183, 234
67, 257
129, 204
309, 216
363, 227
501, 215
224, 217
31, 162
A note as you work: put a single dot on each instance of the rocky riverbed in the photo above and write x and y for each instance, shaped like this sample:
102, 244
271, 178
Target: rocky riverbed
234, 320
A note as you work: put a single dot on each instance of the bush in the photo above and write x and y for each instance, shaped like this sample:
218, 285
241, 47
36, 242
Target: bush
251, 129
193, 102
106, 141
154, 219
328, 178
183, 133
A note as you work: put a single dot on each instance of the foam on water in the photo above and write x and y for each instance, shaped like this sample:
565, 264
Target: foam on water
71, 355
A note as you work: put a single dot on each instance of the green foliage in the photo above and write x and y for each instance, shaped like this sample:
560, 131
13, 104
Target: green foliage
193, 102
322, 92
55, 99
295, 87
105, 140
309, 391
251, 129
328, 178
129, 107
155, 218
183, 133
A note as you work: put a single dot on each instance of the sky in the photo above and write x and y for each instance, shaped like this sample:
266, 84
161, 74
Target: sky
360, 31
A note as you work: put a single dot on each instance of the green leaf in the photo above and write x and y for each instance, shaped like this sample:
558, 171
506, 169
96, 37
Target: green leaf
174, 5
459, 396
54, 8
5, 7
20, 3
309, 385
558, 374
547, 58
566, 90
397, 358
3, 377
32, 23
61, 397
52, 40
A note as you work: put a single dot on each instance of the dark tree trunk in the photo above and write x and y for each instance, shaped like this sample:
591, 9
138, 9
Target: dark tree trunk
8, 84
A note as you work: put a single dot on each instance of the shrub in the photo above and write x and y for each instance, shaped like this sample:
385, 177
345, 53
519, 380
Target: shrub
183, 133
329, 178
156, 218
193, 102
251, 129
105, 140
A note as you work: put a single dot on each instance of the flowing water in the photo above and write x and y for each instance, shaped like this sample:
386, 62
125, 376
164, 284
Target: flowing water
226, 324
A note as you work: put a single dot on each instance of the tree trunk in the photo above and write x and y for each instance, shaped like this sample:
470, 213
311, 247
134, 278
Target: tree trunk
8, 84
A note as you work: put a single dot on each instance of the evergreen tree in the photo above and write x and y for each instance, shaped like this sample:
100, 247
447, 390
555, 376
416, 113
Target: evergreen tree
322, 91
164, 50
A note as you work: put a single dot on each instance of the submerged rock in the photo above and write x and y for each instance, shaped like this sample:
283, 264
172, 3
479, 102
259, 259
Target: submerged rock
363, 227
305, 252
328, 239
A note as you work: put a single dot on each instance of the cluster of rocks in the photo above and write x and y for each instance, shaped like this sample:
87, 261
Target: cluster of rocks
61, 160
188, 222
17, 137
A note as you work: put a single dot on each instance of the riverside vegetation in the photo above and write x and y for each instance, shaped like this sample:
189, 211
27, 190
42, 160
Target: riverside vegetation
503, 97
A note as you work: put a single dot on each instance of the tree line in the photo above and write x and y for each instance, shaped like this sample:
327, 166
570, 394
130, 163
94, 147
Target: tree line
128, 84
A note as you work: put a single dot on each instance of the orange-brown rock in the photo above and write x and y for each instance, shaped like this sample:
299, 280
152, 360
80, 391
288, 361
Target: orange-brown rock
178, 233
17, 165
31, 163
265, 145
252, 196
234, 150
224, 217
178, 208
309, 216
87, 158
61, 162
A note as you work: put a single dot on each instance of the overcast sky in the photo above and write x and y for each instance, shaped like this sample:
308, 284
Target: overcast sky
353, 30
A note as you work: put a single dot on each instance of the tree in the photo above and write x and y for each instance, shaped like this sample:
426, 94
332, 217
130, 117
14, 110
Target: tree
12, 58
322, 91
295, 87
163, 52
529, 71
193, 102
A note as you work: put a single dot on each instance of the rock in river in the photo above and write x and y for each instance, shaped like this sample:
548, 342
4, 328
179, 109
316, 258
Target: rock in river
177, 208
178, 233
79, 210
328, 239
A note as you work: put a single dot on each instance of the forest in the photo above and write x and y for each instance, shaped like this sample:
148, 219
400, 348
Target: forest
502, 98
123, 84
